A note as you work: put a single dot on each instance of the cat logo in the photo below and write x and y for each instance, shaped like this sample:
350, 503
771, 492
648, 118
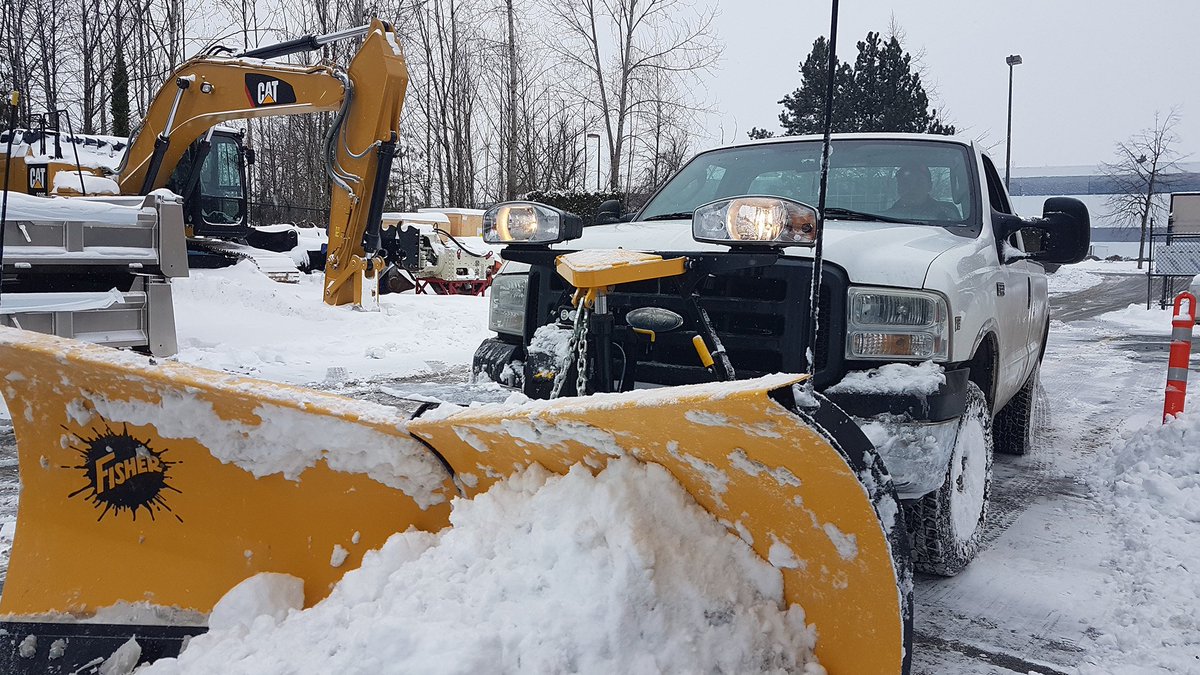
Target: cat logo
265, 91
37, 180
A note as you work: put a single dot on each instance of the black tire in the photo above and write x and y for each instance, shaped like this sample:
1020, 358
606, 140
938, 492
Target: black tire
1015, 425
946, 525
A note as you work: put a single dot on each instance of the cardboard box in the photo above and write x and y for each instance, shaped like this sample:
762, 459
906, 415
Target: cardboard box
463, 222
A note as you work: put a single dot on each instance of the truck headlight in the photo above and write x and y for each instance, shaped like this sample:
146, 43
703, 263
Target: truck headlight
889, 325
755, 220
529, 223
506, 309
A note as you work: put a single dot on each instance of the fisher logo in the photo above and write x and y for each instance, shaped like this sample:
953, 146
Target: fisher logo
37, 180
123, 473
265, 91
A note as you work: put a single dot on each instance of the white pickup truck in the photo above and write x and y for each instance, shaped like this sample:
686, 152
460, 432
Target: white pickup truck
933, 309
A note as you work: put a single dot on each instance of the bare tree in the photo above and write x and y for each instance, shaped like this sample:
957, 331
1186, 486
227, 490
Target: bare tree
1138, 174
620, 45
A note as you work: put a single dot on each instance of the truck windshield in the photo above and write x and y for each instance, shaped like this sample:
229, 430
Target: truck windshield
901, 180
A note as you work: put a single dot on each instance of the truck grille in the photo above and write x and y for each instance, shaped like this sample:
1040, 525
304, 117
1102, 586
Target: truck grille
760, 315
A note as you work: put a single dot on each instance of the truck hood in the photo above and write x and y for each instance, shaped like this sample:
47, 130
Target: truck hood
887, 254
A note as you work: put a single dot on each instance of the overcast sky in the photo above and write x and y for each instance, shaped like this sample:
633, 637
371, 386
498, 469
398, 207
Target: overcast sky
1094, 72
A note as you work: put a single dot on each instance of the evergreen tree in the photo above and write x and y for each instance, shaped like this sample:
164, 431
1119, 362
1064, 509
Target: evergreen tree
120, 96
804, 108
881, 92
756, 133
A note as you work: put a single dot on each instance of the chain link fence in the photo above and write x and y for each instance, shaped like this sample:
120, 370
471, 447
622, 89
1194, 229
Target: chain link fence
1174, 261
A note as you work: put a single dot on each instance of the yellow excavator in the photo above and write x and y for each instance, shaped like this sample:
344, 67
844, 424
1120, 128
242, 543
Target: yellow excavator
181, 147
151, 488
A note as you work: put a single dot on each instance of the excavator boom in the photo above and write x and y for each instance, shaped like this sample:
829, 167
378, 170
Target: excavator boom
366, 97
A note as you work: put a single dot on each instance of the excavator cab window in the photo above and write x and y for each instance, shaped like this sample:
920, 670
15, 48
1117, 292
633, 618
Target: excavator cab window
221, 191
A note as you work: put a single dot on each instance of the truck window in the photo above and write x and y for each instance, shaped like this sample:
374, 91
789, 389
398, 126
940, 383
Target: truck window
996, 193
864, 176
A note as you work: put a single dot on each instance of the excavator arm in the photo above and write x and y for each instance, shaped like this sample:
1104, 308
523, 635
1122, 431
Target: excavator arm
367, 98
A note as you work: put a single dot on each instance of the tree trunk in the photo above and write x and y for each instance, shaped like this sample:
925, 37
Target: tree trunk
510, 169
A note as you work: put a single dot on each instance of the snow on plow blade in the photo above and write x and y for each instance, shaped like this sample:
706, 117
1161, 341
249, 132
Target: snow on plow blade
148, 490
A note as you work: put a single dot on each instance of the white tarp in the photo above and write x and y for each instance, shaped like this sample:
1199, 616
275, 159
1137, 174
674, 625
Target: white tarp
20, 303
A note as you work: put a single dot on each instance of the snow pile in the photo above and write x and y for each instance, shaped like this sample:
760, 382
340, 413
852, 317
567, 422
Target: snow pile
66, 182
28, 207
1137, 320
1071, 279
552, 340
894, 378
1108, 266
1154, 488
616, 573
237, 320
94, 151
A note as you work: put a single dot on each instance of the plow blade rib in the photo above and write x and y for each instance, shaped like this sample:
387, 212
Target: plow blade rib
167, 485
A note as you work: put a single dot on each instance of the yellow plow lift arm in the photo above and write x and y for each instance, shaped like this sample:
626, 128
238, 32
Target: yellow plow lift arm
169, 484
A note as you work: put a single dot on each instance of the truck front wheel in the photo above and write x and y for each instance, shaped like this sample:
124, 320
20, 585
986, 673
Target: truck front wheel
946, 525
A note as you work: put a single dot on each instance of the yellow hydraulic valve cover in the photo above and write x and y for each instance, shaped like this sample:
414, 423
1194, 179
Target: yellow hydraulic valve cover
596, 268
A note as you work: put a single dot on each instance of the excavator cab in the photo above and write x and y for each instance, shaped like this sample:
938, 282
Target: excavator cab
211, 178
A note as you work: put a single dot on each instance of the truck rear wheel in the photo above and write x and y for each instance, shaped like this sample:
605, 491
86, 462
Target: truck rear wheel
946, 525
1016, 423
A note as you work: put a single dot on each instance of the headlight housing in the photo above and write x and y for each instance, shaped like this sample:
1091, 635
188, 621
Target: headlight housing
529, 223
755, 220
892, 325
506, 308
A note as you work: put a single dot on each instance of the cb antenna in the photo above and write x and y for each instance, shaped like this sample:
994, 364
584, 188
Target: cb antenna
815, 292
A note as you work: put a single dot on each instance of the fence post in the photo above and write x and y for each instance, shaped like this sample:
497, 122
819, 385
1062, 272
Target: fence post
1181, 349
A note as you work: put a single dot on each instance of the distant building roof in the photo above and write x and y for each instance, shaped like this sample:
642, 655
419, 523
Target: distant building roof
1068, 181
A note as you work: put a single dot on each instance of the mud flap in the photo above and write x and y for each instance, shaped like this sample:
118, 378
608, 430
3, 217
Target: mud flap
151, 489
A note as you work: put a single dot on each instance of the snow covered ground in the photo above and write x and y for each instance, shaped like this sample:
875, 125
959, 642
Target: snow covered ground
237, 320
1088, 565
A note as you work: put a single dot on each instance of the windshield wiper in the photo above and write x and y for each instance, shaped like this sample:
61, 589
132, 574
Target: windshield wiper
680, 215
850, 214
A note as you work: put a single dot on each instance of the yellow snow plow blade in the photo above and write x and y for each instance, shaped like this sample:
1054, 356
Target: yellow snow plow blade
167, 484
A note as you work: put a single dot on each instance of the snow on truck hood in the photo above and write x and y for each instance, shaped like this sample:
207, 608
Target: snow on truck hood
887, 254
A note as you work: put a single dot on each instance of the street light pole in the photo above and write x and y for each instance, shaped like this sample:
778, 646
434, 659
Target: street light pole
1012, 60
597, 137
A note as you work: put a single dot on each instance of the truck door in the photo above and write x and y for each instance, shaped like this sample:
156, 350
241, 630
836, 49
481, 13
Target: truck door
1015, 298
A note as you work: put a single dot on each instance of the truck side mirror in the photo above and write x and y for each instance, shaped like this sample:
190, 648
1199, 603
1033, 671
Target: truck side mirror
609, 212
1065, 228
249, 156
1068, 231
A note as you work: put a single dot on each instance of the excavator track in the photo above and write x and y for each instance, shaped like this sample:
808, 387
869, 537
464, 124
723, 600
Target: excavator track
277, 266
